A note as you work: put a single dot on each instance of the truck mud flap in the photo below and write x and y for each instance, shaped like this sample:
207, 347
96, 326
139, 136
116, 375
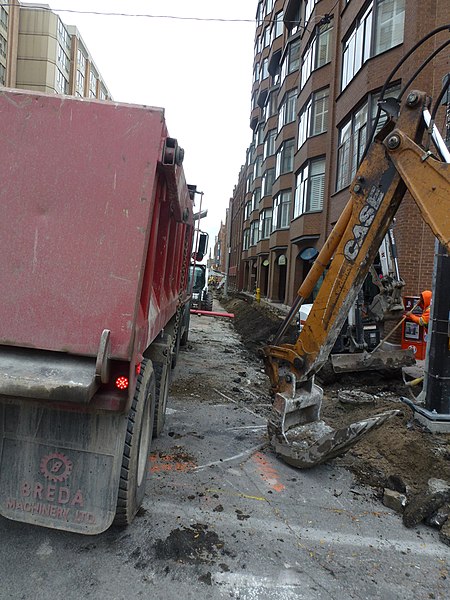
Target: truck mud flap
60, 469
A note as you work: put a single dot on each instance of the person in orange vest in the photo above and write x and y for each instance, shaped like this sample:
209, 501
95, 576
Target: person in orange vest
424, 304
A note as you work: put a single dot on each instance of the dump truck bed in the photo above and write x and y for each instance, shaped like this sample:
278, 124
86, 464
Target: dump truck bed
79, 185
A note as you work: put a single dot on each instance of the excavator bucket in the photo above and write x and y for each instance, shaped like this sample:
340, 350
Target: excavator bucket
302, 440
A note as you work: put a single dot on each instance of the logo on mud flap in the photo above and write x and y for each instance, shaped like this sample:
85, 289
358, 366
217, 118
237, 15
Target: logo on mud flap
56, 467
54, 498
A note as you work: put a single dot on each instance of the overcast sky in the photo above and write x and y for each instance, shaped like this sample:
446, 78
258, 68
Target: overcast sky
200, 72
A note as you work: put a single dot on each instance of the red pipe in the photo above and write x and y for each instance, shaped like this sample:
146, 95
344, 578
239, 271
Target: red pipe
209, 313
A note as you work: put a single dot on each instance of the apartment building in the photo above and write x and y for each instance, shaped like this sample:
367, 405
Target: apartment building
39, 52
319, 67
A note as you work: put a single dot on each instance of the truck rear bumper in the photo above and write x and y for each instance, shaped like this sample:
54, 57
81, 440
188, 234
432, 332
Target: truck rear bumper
49, 376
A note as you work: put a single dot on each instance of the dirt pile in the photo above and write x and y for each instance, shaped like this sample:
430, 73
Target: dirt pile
402, 455
256, 323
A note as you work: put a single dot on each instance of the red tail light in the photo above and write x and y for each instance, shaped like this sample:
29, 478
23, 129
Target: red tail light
138, 368
122, 383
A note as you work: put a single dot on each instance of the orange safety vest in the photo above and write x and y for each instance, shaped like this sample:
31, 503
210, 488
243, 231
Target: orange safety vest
424, 318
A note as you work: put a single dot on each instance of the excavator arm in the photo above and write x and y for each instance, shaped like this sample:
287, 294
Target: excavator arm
395, 162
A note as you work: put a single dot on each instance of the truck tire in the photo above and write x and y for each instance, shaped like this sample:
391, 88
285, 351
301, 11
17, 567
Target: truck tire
133, 475
209, 301
162, 381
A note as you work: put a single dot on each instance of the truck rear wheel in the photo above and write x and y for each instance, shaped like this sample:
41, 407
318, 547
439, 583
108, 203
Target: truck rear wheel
133, 475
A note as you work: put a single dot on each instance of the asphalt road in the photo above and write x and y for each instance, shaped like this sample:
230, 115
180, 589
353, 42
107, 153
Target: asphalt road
224, 518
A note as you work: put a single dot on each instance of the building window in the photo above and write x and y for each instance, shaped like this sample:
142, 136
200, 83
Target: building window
266, 37
309, 7
3, 18
255, 73
285, 158
260, 134
270, 107
356, 48
256, 198
291, 60
92, 84
317, 53
313, 118
269, 143
293, 26
389, 24
353, 136
247, 209
281, 210
269, 6
246, 239
254, 233
61, 84
81, 60
248, 184
63, 35
251, 152
352, 141
3, 44
319, 117
80, 83
63, 59
265, 223
378, 29
264, 69
267, 182
310, 188
2, 74
259, 14
278, 25
287, 109
257, 167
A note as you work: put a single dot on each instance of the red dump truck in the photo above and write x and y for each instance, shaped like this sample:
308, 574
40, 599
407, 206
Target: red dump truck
95, 242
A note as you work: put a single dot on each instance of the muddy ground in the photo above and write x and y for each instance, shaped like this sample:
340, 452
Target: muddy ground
402, 454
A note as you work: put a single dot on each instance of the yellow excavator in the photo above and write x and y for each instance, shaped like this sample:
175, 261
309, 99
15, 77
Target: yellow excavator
398, 159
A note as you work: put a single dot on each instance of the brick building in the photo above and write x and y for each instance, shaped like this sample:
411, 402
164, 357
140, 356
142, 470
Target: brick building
319, 66
39, 52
